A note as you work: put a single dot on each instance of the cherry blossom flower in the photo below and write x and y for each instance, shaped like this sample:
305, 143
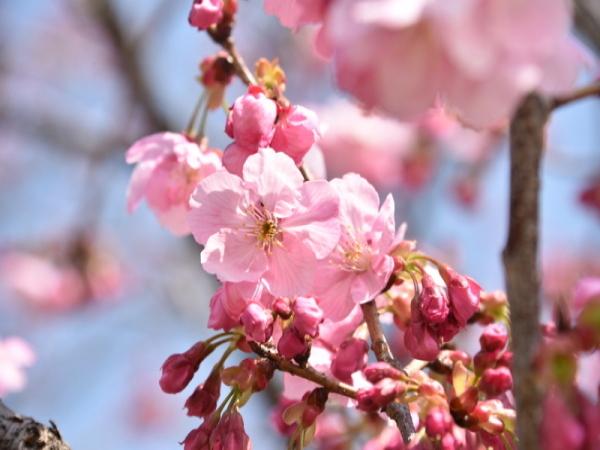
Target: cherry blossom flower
267, 226
41, 282
479, 57
15, 356
169, 166
295, 13
359, 267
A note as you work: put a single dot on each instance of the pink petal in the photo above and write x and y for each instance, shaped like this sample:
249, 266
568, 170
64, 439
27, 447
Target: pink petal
235, 156
368, 284
138, 184
233, 256
275, 178
291, 269
316, 222
332, 287
215, 204
360, 202
154, 146
175, 219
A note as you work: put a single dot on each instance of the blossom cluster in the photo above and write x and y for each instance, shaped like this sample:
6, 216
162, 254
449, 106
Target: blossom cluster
308, 265
476, 57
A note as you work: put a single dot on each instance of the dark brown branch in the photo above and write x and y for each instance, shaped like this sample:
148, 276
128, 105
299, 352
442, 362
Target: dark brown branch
398, 412
128, 59
521, 260
587, 21
308, 373
578, 94
24, 433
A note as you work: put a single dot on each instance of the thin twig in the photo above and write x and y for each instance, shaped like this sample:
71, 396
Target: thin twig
228, 44
520, 257
308, 373
398, 412
578, 94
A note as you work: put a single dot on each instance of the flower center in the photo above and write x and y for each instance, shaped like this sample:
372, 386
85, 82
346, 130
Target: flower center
266, 229
352, 256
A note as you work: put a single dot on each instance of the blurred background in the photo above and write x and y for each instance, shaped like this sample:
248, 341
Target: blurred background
102, 297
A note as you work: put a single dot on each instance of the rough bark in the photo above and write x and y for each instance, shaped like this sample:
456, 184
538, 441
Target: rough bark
521, 260
24, 433
587, 21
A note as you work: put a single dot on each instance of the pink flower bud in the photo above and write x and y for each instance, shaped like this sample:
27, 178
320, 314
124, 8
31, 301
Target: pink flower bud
433, 303
505, 359
496, 381
486, 414
199, 438
464, 295
205, 13
438, 422
204, 400
377, 396
483, 360
447, 329
448, 442
378, 371
420, 342
230, 433
350, 357
307, 316
315, 402
493, 338
291, 345
258, 322
282, 308
296, 131
252, 374
178, 369
251, 121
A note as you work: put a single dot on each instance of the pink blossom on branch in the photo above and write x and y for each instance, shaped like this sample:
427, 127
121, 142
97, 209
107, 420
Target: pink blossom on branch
169, 166
205, 13
359, 266
256, 121
267, 226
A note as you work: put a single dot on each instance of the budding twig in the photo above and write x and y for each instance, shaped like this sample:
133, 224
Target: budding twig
308, 373
398, 412
241, 69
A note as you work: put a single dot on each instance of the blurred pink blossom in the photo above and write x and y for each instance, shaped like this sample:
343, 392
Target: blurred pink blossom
15, 356
169, 166
477, 57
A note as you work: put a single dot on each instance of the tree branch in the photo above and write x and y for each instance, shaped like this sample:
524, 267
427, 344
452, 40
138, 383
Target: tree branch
228, 44
398, 412
24, 433
520, 257
578, 94
308, 373
587, 21
128, 59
